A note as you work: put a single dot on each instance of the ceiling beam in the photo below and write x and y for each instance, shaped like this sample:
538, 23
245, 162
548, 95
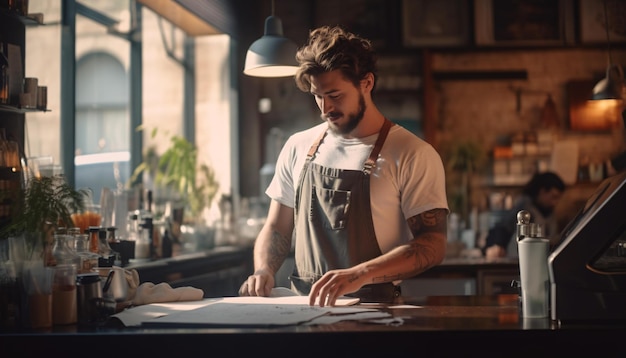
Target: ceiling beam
178, 15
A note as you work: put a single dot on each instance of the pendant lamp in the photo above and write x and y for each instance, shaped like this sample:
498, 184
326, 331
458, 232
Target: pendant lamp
273, 55
610, 87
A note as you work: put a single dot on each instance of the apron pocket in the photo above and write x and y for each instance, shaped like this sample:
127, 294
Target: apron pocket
330, 206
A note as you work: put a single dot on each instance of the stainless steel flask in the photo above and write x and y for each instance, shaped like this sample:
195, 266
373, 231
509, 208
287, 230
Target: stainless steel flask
89, 291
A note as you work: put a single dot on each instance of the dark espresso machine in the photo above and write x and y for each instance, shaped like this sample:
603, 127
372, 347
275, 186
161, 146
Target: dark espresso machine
587, 267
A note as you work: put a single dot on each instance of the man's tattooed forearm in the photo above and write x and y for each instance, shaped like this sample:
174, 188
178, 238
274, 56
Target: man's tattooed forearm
279, 249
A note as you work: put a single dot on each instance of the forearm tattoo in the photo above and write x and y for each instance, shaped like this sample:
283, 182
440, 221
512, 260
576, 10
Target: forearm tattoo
278, 250
426, 229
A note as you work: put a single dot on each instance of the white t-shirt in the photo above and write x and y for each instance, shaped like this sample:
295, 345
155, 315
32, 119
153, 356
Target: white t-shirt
408, 179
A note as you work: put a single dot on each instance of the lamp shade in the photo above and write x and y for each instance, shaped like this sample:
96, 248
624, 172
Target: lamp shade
273, 55
610, 87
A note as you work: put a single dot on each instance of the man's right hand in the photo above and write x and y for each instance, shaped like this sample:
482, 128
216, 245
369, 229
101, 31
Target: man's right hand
494, 252
258, 284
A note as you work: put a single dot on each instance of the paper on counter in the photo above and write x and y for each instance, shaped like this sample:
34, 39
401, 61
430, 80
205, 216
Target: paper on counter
281, 295
231, 314
283, 307
135, 316
256, 312
358, 316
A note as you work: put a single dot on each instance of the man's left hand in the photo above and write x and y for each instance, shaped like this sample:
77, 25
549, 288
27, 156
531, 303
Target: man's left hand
333, 285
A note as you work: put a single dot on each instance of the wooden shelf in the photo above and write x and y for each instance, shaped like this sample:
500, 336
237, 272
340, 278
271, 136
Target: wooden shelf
18, 109
32, 19
480, 75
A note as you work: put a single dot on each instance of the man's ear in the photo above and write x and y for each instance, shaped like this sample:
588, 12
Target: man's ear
367, 83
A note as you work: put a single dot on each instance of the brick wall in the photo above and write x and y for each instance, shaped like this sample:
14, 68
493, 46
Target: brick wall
486, 110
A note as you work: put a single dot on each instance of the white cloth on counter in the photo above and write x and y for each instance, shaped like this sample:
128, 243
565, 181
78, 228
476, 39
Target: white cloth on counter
148, 292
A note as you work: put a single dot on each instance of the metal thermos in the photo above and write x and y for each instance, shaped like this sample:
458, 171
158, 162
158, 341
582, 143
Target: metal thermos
533, 264
89, 291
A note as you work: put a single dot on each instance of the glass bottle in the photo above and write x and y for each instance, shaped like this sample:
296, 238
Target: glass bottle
148, 222
134, 232
107, 258
89, 259
114, 244
142, 246
94, 239
103, 245
147, 229
72, 234
62, 253
111, 238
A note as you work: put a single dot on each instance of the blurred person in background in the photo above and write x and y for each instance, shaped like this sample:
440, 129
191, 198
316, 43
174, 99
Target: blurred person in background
539, 197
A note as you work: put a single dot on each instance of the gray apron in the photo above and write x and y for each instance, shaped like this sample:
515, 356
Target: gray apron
333, 222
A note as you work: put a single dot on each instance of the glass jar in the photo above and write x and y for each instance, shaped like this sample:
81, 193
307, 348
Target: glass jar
62, 253
64, 307
87, 218
142, 247
89, 259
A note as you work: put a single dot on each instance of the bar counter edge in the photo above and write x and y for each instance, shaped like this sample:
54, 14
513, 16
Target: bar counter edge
181, 342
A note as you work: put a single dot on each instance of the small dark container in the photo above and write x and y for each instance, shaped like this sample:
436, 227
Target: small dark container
89, 291
126, 249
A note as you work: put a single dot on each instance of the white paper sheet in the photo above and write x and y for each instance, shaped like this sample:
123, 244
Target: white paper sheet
230, 314
283, 307
281, 295
255, 312
135, 316
359, 316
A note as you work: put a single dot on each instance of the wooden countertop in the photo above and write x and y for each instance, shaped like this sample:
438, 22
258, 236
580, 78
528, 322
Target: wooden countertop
439, 325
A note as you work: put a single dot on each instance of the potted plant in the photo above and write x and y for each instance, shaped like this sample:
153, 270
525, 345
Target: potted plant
463, 161
42, 205
178, 171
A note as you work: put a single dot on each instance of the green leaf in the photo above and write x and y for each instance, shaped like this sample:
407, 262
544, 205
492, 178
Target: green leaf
45, 202
179, 170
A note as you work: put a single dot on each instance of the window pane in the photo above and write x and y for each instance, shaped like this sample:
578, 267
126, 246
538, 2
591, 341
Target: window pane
102, 101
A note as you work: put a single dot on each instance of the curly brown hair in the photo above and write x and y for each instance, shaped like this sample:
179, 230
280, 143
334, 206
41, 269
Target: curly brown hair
332, 48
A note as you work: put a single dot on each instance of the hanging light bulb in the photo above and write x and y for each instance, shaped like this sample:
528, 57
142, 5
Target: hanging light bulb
272, 55
610, 87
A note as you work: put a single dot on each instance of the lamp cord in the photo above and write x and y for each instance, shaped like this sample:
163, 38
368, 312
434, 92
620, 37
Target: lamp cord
606, 27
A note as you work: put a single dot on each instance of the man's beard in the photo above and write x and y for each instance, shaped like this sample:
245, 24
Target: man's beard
353, 119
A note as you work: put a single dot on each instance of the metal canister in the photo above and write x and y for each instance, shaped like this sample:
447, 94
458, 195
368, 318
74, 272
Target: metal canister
89, 291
